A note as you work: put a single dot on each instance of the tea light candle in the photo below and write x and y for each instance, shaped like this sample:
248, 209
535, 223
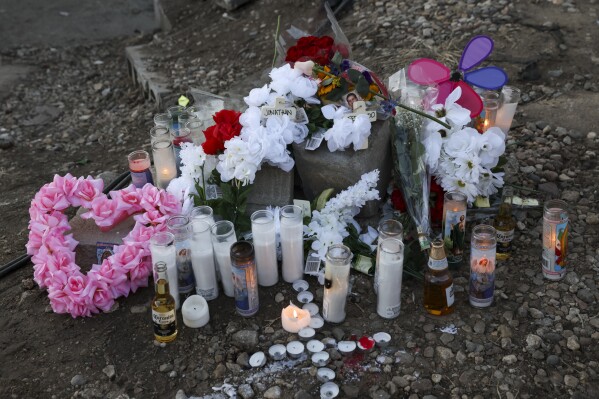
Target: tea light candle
366, 344
382, 339
300, 285
312, 308
346, 347
294, 318
320, 359
306, 333
305, 297
329, 390
195, 312
325, 374
316, 322
258, 359
315, 346
277, 352
329, 342
295, 349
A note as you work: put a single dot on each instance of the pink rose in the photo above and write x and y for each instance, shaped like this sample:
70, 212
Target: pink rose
169, 204
46, 263
140, 236
59, 300
127, 256
50, 199
88, 189
69, 186
127, 199
78, 308
139, 275
153, 217
75, 285
150, 197
97, 292
115, 278
57, 242
103, 211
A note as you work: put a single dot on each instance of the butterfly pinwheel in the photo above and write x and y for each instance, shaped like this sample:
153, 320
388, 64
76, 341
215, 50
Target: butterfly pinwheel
425, 71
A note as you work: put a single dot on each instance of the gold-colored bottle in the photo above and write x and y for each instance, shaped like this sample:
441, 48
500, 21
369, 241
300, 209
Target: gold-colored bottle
504, 225
164, 316
438, 282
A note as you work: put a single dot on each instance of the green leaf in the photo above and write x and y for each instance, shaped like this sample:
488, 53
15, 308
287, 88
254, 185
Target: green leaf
228, 195
362, 87
337, 59
327, 81
354, 75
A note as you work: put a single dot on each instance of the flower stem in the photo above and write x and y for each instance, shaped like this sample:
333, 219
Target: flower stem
423, 114
274, 57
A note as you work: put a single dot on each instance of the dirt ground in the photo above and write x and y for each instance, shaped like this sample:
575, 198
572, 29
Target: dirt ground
62, 119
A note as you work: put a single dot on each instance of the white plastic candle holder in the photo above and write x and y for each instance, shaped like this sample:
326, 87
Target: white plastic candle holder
295, 349
305, 297
312, 308
277, 352
314, 346
325, 374
346, 347
329, 342
329, 390
306, 333
300, 285
382, 339
316, 322
258, 359
320, 359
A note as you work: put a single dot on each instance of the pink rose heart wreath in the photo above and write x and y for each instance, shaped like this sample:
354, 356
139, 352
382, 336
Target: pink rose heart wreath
53, 250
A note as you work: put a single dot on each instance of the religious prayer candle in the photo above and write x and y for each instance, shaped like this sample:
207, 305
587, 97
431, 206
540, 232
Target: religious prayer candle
245, 278
454, 227
390, 277
292, 243
180, 226
204, 213
139, 166
510, 96
202, 259
162, 249
264, 236
555, 239
223, 237
387, 228
482, 265
164, 162
336, 283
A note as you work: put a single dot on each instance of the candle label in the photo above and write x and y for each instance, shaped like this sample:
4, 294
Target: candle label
555, 242
392, 312
449, 293
208, 294
325, 308
245, 284
454, 233
504, 241
185, 277
482, 277
139, 179
165, 324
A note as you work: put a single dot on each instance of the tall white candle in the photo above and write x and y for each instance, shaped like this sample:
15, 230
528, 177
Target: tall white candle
202, 260
223, 237
292, 243
164, 162
505, 114
336, 284
162, 249
390, 276
265, 248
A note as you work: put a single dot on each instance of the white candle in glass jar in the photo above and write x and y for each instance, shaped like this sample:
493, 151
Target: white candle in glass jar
202, 260
336, 286
222, 250
265, 248
390, 277
292, 243
162, 249
164, 162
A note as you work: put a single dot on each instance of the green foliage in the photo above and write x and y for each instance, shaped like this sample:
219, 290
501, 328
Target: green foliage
354, 75
362, 86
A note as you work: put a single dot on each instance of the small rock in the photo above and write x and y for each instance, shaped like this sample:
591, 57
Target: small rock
436, 378
572, 343
243, 360
570, 196
535, 313
273, 393
593, 218
422, 385
400, 381
509, 359
479, 327
591, 135
78, 380
246, 339
279, 297
351, 391
570, 380
446, 338
219, 371
301, 394
338, 333
180, 394
172, 374
166, 368
6, 141
137, 309
246, 391
109, 371
585, 294
444, 353
533, 341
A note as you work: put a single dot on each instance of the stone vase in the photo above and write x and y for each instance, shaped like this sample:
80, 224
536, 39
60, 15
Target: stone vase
272, 186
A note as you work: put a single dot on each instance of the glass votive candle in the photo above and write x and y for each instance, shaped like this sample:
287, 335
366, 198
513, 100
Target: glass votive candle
555, 239
162, 120
160, 133
482, 265
454, 227
387, 229
174, 113
196, 127
164, 162
510, 96
139, 166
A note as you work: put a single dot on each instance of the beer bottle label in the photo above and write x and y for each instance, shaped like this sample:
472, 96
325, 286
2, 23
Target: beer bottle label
437, 264
504, 241
449, 295
165, 324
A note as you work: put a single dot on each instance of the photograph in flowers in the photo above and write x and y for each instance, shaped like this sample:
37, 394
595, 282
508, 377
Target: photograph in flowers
317, 211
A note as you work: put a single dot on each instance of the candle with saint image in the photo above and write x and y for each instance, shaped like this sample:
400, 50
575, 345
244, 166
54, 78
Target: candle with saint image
294, 318
292, 243
223, 237
555, 239
454, 226
336, 283
162, 249
505, 114
482, 265
139, 166
164, 161
202, 259
263, 232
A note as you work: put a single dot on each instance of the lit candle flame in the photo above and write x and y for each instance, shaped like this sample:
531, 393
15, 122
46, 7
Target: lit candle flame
294, 314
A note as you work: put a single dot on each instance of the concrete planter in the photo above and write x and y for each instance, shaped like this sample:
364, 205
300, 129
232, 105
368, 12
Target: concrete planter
321, 169
272, 186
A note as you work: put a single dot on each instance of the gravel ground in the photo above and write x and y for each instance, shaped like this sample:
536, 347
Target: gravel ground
77, 111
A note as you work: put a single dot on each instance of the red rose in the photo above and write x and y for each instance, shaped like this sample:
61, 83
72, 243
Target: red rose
397, 200
227, 126
317, 49
437, 209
